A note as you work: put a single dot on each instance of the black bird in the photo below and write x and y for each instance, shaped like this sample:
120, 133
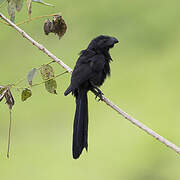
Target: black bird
90, 71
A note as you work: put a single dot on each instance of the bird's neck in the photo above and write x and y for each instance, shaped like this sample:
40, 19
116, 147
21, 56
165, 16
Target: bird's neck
107, 55
105, 52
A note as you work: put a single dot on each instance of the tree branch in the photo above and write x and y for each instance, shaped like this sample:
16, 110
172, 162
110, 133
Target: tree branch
106, 100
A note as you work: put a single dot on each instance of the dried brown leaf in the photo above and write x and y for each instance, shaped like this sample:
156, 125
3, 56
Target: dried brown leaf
19, 4
56, 26
9, 99
11, 10
2, 92
29, 7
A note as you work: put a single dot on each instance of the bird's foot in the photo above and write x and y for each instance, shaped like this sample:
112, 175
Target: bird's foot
99, 95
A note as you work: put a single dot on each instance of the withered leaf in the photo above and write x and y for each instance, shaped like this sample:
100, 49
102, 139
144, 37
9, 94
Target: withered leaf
26, 93
48, 27
31, 74
29, 7
51, 86
9, 99
11, 9
2, 89
60, 25
19, 4
57, 26
2, 92
47, 72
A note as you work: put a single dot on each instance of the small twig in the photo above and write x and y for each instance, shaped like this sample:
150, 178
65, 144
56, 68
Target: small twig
31, 19
19, 81
37, 84
50, 62
9, 133
35, 18
4, 22
106, 100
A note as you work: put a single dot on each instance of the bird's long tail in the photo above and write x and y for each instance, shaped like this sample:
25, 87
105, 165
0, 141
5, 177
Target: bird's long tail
80, 131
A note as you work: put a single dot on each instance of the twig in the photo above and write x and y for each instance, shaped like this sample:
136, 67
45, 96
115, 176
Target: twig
106, 100
48, 79
28, 20
9, 133
35, 18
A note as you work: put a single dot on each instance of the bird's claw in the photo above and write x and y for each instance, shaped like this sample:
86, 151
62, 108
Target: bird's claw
99, 95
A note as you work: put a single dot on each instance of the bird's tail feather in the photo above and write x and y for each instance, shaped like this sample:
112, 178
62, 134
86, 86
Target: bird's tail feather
80, 132
68, 90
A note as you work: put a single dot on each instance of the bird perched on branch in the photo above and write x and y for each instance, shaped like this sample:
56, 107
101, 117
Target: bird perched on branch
90, 71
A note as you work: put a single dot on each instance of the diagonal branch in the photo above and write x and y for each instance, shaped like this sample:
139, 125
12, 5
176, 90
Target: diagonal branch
106, 100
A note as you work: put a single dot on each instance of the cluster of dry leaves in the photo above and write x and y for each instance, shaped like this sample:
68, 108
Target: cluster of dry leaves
16, 5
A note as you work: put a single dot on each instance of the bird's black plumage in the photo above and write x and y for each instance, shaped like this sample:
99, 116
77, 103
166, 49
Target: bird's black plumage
90, 71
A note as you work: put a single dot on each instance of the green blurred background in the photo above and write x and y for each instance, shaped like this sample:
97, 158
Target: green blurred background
144, 82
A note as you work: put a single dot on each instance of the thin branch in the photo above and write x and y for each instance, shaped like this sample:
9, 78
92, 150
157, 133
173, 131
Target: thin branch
29, 20
35, 18
9, 133
106, 100
48, 80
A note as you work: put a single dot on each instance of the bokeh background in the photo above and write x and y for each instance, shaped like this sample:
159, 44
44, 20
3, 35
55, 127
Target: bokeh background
145, 82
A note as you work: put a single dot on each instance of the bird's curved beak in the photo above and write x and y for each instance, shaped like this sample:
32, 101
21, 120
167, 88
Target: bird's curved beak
114, 40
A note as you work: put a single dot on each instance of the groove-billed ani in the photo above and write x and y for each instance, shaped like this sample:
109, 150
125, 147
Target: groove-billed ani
90, 71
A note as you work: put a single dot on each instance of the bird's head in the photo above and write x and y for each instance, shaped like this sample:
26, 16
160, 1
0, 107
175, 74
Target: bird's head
102, 43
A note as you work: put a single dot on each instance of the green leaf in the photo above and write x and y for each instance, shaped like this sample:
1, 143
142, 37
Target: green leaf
47, 72
43, 3
26, 93
32, 73
19, 4
51, 86
11, 10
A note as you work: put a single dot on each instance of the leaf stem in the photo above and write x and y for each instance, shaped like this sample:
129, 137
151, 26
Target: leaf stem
35, 18
48, 79
4, 22
30, 19
19, 81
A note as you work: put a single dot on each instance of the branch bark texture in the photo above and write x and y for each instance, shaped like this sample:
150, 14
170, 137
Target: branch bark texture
105, 99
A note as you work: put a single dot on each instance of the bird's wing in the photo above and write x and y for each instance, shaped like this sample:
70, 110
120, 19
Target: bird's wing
86, 68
